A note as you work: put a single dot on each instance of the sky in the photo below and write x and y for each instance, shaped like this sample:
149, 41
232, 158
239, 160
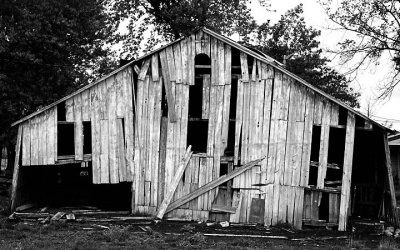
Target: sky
366, 82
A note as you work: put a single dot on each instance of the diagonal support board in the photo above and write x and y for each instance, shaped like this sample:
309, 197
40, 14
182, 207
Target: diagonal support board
175, 182
213, 184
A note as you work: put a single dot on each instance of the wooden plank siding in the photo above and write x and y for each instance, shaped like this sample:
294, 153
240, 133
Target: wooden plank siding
139, 131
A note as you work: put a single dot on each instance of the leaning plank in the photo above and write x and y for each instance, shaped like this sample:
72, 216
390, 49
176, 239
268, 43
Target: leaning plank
172, 187
213, 184
144, 69
16, 169
390, 178
347, 169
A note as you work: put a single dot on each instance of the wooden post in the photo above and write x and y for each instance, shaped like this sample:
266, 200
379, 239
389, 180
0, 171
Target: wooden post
347, 169
390, 178
16, 169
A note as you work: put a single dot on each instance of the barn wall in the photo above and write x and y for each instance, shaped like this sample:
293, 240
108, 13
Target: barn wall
39, 139
108, 106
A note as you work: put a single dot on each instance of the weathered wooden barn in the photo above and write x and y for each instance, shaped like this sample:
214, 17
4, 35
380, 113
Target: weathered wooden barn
122, 142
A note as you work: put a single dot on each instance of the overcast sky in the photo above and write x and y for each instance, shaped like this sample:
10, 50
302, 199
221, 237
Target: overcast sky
367, 81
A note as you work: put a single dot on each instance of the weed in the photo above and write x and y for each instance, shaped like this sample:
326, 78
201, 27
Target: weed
116, 233
195, 240
388, 244
188, 229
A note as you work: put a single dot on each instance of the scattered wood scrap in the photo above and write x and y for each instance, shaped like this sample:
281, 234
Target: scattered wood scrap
30, 215
92, 212
70, 217
57, 216
25, 207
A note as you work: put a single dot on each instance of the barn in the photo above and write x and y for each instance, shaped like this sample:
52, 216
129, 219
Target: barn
207, 129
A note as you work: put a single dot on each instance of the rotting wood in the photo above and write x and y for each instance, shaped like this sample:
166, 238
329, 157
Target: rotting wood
213, 184
162, 209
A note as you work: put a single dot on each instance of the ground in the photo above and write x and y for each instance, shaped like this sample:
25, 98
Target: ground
172, 235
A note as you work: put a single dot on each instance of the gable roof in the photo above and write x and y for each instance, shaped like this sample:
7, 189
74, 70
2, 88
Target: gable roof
259, 56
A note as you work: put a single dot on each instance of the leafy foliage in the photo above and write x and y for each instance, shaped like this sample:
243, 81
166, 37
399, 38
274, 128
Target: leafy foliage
376, 28
48, 48
167, 20
290, 41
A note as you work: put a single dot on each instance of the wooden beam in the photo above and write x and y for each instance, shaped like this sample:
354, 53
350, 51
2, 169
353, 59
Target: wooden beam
390, 178
174, 184
347, 169
16, 169
211, 185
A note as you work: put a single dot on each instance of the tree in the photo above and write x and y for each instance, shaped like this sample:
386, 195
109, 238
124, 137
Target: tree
47, 49
291, 42
376, 28
167, 20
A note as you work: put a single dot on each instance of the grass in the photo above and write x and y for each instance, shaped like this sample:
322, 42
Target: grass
73, 236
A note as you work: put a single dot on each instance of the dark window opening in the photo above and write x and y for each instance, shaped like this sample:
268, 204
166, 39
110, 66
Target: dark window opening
315, 143
66, 138
87, 138
71, 185
202, 59
164, 103
235, 61
229, 151
61, 113
334, 172
232, 109
342, 116
324, 207
196, 99
197, 126
197, 135
223, 170
250, 61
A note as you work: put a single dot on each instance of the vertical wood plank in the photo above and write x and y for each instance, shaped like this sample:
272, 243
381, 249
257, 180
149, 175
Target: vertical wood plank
78, 127
244, 67
390, 178
168, 86
69, 110
86, 105
104, 152
16, 173
323, 148
347, 170
26, 144
112, 129
95, 130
